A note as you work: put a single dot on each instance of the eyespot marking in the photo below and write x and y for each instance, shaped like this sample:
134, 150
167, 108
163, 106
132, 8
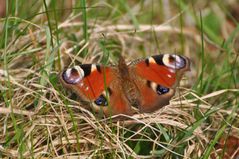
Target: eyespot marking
73, 75
162, 90
157, 88
101, 101
173, 61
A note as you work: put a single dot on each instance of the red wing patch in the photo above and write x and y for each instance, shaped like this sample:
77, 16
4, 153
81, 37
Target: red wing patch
156, 73
95, 83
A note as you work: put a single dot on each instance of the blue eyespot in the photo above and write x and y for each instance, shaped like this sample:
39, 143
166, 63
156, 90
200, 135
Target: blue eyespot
101, 101
162, 90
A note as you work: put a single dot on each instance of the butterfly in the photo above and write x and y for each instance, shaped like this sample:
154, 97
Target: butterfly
144, 85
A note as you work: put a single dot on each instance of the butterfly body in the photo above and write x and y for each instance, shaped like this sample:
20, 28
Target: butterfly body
142, 86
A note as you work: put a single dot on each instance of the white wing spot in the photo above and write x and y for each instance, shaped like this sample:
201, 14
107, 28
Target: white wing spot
171, 70
93, 67
169, 75
153, 85
151, 60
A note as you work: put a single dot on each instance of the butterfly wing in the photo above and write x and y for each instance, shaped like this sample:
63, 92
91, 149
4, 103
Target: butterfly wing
87, 80
152, 100
158, 77
98, 85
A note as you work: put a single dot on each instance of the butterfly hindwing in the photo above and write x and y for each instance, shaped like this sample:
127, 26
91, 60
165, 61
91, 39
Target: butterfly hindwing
154, 96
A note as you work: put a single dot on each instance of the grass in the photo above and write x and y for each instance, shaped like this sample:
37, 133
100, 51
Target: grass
39, 118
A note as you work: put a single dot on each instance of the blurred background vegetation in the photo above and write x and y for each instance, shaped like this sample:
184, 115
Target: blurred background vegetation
41, 37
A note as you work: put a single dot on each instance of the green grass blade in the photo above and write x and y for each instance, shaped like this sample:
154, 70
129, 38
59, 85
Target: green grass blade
85, 25
202, 54
220, 132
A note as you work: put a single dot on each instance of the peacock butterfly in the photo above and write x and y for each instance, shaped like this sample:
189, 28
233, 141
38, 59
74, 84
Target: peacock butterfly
144, 85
